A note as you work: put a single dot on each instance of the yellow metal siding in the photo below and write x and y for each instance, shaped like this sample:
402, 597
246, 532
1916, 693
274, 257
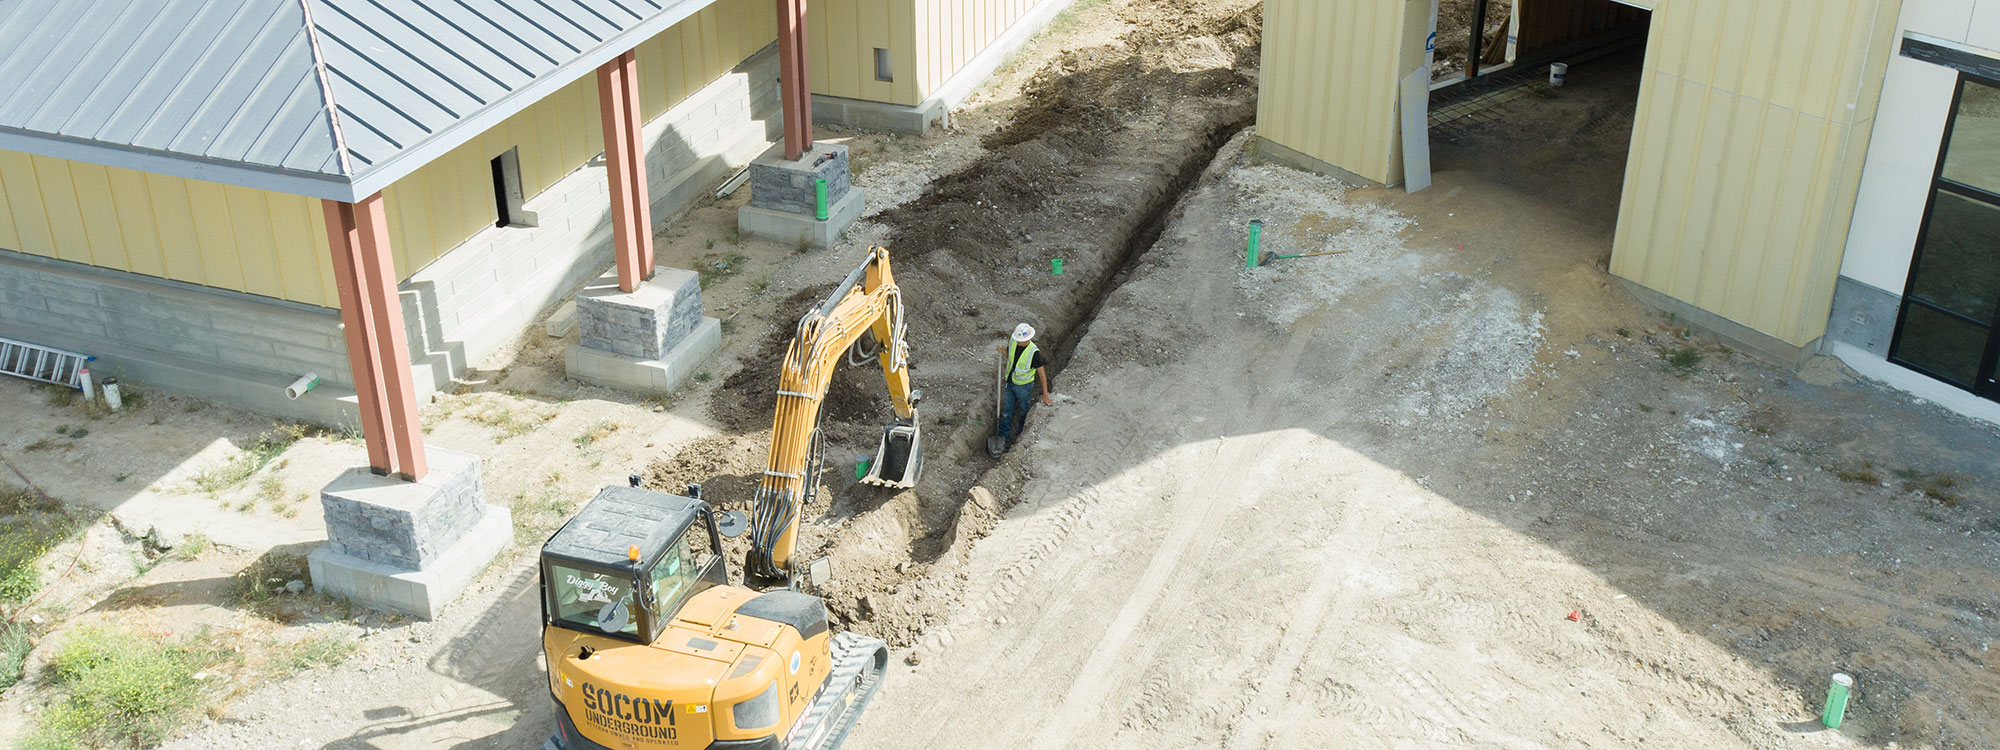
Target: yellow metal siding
1746, 155
952, 32
1330, 77
843, 36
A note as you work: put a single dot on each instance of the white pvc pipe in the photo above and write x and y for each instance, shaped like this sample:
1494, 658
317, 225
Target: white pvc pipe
83, 382
111, 398
299, 387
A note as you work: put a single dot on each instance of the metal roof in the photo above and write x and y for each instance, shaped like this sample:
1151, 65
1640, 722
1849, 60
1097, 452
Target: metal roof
327, 98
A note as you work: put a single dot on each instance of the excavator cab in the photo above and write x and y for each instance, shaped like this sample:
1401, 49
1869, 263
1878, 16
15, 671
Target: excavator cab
649, 647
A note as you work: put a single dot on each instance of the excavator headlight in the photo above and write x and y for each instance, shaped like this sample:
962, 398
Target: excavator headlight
758, 712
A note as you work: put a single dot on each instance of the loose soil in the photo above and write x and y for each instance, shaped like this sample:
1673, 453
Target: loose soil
1330, 502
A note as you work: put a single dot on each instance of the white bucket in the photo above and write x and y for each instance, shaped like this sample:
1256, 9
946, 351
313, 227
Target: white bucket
1558, 72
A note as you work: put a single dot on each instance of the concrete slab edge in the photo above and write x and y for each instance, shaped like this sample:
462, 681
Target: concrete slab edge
1764, 345
1881, 370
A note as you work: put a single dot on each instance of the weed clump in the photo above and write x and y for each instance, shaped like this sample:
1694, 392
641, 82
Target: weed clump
1683, 362
245, 464
124, 689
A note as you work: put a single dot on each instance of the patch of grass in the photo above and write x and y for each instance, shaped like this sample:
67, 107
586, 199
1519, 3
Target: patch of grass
30, 526
1862, 473
1647, 408
760, 283
192, 547
60, 396
1682, 362
314, 651
249, 461
538, 512
258, 586
506, 421
1943, 488
709, 245
41, 445
702, 377
270, 490
123, 688
596, 432
16, 640
716, 268
1623, 332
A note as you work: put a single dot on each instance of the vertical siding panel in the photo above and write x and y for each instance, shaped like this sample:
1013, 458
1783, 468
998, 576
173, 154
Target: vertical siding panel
256, 250
100, 216
291, 243
10, 239
137, 223
24, 199
549, 143
216, 239
180, 252
59, 205
323, 255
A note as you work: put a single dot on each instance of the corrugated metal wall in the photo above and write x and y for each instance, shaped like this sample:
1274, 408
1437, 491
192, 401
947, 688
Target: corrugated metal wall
1330, 72
1550, 23
952, 32
274, 245
844, 37
1746, 155
206, 233
928, 42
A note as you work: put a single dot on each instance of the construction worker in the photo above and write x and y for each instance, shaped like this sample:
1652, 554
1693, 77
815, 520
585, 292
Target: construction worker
1025, 367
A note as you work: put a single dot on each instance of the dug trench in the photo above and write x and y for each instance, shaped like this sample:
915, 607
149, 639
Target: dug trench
1086, 166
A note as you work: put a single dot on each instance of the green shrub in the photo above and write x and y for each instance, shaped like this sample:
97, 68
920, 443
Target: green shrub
123, 689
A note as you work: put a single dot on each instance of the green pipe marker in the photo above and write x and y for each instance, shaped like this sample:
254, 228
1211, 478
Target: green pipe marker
861, 468
1055, 266
819, 199
1256, 239
1836, 700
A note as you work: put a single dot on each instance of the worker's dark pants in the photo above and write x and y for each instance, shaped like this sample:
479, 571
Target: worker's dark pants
1014, 409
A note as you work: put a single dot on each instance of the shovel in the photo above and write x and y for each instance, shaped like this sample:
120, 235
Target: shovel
1268, 258
996, 445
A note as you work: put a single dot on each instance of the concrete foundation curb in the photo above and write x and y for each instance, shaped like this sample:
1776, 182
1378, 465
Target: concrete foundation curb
788, 228
636, 375
419, 593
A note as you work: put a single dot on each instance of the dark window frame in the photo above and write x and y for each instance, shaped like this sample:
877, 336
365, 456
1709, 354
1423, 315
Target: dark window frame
1984, 379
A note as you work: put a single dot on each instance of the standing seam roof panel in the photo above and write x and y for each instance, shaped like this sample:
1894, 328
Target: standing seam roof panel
247, 84
228, 90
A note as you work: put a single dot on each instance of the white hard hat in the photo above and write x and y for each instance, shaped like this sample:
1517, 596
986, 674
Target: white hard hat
1023, 332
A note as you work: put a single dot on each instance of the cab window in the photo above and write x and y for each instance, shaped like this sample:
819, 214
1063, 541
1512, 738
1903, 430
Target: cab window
673, 577
594, 601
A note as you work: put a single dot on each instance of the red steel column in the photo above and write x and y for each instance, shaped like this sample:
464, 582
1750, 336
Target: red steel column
377, 350
635, 148
359, 327
795, 84
392, 350
619, 157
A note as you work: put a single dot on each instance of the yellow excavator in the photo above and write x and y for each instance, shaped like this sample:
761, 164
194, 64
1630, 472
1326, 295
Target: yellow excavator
649, 646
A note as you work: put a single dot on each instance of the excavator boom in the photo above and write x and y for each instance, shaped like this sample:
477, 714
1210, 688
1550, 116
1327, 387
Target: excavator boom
866, 304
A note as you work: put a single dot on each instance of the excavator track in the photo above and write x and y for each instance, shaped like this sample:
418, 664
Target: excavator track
858, 664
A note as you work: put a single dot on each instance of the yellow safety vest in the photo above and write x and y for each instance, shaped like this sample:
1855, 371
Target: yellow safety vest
1024, 363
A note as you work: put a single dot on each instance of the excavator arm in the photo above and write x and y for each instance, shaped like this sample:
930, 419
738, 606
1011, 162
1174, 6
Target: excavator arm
867, 302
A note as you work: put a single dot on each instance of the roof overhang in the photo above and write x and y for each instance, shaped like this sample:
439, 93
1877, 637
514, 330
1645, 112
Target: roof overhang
375, 177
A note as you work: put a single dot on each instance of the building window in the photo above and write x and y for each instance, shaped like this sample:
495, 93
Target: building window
885, 69
507, 197
1950, 324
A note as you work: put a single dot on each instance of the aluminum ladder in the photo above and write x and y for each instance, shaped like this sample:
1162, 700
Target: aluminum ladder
36, 362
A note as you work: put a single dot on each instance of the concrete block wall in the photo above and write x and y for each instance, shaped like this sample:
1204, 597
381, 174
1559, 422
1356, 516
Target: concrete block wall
243, 349
480, 295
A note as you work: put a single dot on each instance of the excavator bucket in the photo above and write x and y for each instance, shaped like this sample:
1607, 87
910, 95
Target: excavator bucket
899, 458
